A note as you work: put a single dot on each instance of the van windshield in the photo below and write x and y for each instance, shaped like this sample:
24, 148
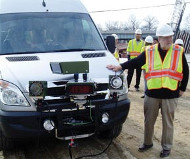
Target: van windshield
48, 32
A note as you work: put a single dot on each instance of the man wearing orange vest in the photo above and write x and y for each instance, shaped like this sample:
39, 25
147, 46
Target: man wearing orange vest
167, 74
133, 50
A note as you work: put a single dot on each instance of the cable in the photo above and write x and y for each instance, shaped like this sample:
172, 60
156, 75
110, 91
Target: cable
98, 153
38, 136
49, 113
116, 10
91, 112
70, 152
112, 137
71, 144
49, 116
121, 72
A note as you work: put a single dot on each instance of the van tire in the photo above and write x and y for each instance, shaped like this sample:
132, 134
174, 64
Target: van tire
5, 143
111, 133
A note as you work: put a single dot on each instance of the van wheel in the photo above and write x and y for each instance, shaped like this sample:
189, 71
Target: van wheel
5, 143
111, 133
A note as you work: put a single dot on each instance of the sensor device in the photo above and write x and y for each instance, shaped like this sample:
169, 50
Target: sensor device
79, 88
115, 82
38, 89
71, 67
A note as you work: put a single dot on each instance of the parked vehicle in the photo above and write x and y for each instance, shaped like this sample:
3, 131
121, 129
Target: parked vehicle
53, 76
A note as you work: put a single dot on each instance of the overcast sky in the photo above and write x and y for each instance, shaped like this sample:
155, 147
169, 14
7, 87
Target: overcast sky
162, 13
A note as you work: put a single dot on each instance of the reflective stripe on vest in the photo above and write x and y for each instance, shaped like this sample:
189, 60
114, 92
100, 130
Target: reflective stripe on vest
164, 74
134, 53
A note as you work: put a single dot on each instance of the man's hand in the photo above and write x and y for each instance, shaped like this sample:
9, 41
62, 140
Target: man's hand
181, 93
114, 68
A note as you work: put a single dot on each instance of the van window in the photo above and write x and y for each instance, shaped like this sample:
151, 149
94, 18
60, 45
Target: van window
48, 32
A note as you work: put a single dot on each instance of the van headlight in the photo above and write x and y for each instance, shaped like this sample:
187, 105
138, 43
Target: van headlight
11, 95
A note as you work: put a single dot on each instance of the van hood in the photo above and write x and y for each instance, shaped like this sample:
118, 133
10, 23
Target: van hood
20, 69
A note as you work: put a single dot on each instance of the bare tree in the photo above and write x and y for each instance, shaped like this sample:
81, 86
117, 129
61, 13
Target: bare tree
133, 23
99, 27
123, 26
151, 23
112, 25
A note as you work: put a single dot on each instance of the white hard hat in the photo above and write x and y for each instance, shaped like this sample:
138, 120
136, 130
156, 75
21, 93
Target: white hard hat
164, 30
115, 36
149, 39
138, 31
179, 41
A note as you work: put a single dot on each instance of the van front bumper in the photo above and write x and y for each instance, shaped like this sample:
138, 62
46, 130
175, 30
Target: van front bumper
30, 124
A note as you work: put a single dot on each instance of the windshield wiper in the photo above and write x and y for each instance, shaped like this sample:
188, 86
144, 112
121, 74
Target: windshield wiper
64, 50
24, 52
72, 50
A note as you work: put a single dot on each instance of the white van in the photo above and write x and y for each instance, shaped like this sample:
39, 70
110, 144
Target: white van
53, 75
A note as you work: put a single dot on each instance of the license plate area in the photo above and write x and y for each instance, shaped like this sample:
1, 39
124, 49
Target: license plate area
75, 125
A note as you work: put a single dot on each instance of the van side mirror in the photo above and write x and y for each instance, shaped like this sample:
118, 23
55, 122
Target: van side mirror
110, 42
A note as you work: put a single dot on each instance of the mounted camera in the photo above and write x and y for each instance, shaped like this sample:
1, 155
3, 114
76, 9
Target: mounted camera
38, 89
115, 83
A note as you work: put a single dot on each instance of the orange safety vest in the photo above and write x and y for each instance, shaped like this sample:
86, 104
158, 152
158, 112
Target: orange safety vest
164, 74
134, 48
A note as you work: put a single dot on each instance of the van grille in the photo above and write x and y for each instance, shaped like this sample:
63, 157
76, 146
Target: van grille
89, 55
56, 91
22, 58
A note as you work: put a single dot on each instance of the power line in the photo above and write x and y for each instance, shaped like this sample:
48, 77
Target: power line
116, 10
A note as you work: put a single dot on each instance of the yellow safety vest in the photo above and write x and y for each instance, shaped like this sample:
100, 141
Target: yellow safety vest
142, 50
163, 74
134, 48
116, 54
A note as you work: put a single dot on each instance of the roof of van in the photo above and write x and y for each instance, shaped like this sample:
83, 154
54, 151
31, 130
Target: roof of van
19, 6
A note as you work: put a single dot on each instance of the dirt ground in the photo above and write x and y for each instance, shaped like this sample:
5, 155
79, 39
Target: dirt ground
132, 134
123, 147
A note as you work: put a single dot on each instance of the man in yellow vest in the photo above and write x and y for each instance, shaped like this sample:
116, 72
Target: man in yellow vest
167, 74
133, 50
